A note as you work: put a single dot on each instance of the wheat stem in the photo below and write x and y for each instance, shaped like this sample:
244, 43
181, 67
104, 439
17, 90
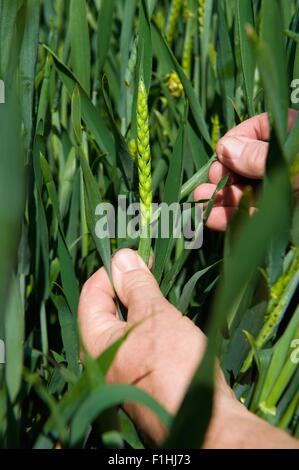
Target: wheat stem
215, 135
144, 171
187, 51
174, 84
172, 19
279, 297
201, 15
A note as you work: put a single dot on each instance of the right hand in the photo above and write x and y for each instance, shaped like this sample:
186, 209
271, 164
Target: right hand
160, 355
242, 152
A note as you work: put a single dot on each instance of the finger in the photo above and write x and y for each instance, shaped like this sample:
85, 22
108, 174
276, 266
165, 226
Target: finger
151, 263
220, 217
244, 156
258, 127
135, 285
97, 318
242, 149
229, 196
218, 171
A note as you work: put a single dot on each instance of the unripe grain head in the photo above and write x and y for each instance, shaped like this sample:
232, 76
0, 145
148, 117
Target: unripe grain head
143, 154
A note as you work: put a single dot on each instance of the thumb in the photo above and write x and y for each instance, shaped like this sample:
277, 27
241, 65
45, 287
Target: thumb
244, 156
135, 285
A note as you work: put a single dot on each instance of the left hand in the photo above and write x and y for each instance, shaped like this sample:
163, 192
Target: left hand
242, 153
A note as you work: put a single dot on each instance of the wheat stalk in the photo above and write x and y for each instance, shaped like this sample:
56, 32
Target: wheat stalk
173, 16
201, 15
174, 84
159, 19
132, 145
130, 70
279, 298
186, 10
215, 135
187, 51
144, 171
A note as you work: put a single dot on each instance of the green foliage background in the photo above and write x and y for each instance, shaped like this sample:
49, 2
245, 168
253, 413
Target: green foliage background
71, 70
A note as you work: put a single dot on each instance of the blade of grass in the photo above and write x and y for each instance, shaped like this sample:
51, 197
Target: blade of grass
93, 198
226, 67
107, 396
245, 17
69, 333
189, 287
171, 195
105, 21
90, 114
8, 15
28, 56
269, 51
164, 53
80, 44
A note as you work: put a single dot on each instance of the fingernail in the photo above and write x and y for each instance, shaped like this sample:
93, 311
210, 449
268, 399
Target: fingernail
128, 260
232, 148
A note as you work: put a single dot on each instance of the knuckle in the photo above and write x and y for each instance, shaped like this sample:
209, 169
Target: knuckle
138, 281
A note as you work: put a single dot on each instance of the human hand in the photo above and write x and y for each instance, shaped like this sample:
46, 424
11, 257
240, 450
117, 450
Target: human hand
242, 152
160, 355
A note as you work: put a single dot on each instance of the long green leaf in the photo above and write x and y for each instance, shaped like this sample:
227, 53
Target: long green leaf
226, 67
93, 198
171, 195
245, 17
110, 395
90, 114
105, 20
189, 288
164, 53
80, 46
28, 56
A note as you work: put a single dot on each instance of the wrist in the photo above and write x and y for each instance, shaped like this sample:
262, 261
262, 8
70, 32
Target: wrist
234, 427
223, 428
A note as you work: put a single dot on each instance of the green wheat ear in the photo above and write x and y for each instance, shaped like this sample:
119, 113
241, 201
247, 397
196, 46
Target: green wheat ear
279, 298
159, 19
173, 16
215, 135
188, 43
144, 171
201, 15
174, 84
132, 145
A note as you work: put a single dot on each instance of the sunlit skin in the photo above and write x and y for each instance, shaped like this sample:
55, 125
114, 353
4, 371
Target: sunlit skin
242, 152
162, 353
